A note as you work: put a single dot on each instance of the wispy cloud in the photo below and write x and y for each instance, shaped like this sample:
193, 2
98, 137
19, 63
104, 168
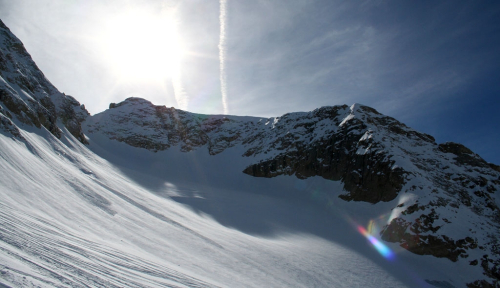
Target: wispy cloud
222, 53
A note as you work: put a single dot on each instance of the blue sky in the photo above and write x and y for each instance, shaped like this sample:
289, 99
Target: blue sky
434, 65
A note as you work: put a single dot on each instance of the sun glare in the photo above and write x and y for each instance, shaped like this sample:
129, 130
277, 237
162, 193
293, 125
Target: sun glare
142, 46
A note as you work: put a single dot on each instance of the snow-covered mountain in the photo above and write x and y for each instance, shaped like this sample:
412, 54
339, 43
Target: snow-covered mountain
149, 196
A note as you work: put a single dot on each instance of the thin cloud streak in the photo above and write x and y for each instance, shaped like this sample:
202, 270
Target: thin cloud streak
180, 94
222, 53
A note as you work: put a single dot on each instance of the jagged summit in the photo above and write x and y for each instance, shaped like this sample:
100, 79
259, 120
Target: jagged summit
135, 101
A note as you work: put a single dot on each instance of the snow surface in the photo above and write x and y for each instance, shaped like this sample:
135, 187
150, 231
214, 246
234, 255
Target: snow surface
118, 216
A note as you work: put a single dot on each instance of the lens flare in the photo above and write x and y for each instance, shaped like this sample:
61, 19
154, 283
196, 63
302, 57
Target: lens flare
381, 248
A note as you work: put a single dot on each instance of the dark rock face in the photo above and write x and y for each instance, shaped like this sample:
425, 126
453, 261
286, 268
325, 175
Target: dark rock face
27, 96
37, 113
494, 167
72, 114
336, 159
350, 154
464, 156
8, 126
409, 236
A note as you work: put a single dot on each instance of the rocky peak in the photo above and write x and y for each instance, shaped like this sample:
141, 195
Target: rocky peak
28, 97
134, 104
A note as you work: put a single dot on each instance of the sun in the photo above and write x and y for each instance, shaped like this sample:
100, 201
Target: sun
142, 46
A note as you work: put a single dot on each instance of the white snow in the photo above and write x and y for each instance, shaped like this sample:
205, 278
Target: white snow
114, 215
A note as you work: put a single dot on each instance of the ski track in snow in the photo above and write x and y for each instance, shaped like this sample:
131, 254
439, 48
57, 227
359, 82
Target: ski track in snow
76, 262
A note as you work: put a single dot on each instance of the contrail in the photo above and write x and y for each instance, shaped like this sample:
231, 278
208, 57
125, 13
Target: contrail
180, 94
222, 53
177, 84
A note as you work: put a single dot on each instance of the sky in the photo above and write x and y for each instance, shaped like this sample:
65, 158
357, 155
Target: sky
434, 65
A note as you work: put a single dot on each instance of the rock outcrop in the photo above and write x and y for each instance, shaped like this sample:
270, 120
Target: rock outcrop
28, 97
